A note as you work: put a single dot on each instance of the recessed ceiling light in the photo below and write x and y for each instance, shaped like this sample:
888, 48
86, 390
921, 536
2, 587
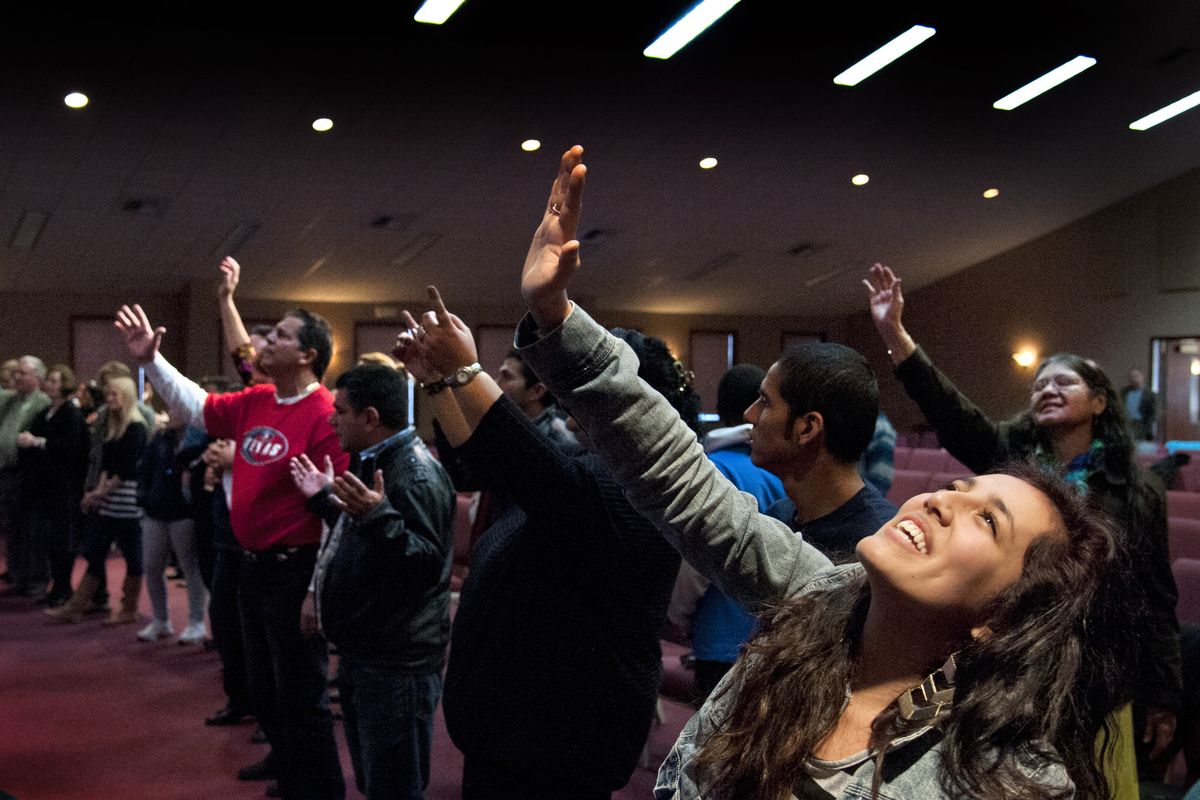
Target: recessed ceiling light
688, 27
76, 100
530, 145
708, 163
1045, 83
860, 179
884, 55
1166, 112
988, 194
435, 12
323, 124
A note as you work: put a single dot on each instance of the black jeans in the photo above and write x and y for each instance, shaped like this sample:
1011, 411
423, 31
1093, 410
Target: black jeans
389, 728
102, 532
226, 622
288, 676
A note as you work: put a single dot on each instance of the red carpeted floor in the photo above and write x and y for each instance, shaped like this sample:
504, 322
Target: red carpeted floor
90, 712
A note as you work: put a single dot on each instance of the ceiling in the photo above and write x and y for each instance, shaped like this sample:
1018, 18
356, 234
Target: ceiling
200, 126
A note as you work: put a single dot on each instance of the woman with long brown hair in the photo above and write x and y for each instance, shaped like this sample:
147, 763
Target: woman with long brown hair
115, 500
971, 654
1075, 426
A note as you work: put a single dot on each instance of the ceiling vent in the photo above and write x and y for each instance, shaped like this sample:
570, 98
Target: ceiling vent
28, 230
142, 207
234, 240
806, 249
418, 245
711, 266
396, 223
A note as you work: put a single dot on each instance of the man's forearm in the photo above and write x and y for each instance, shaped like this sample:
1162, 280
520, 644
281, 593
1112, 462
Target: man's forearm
231, 324
184, 397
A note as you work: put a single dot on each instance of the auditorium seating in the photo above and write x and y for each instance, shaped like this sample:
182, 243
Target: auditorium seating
1184, 536
1185, 505
1187, 578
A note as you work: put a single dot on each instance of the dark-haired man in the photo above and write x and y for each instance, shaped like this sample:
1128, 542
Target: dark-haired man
814, 416
279, 536
381, 590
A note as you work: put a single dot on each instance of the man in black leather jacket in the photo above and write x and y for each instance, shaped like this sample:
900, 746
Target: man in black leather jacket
380, 591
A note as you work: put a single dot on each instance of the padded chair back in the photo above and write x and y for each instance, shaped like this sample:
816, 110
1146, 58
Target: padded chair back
1184, 537
1187, 578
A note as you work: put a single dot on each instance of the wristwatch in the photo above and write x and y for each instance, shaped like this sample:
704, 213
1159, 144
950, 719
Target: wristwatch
460, 377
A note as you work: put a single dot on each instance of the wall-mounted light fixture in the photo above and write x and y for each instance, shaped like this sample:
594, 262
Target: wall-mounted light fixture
1026, 357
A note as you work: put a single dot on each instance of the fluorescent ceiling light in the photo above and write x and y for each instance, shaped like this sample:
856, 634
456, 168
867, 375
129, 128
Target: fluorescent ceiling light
1045, 83
1166, 112
884, 55
435, 12
688, 27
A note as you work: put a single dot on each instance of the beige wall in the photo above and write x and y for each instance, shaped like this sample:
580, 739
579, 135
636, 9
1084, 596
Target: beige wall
1102, 287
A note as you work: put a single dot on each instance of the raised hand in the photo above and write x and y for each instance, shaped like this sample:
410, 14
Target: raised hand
446, 341
887, 310
553, 257
409, 350
141, 338
308, 479
887, 301
354, 495
231, 272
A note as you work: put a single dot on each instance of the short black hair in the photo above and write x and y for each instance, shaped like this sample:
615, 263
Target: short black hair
737, 391
314, 334
375, 386
659, 367
529, 376
836, 382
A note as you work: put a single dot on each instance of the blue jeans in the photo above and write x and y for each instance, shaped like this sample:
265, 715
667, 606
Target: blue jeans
389, 728
287, 676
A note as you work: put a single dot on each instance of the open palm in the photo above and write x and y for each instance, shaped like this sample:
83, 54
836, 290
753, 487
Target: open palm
553, 257
887, 301
141, 338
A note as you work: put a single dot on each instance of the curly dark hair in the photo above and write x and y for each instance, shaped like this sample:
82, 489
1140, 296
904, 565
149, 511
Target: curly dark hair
1037, 688
665, 373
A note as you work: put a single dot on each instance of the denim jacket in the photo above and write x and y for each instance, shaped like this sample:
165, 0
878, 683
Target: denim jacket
751, 557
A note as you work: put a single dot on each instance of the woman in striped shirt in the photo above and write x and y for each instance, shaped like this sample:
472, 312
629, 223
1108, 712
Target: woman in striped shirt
115, 501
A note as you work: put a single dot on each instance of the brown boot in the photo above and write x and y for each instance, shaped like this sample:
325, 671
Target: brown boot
126, 613
72, 611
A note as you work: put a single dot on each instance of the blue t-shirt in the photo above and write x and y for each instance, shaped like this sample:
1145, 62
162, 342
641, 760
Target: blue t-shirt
836, 533
721, 626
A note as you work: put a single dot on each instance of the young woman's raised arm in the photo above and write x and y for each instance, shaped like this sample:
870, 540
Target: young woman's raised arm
645, 445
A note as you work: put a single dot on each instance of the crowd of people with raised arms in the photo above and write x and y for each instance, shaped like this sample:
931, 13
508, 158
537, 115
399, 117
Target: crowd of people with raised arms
1011, 634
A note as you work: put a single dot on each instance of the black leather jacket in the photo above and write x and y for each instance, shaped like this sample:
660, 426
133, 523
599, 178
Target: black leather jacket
385, 596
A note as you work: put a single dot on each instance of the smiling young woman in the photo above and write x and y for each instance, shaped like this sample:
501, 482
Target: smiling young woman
1075, 427
981, 666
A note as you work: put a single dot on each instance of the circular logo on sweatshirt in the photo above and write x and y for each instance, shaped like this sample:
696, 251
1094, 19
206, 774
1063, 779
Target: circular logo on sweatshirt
263, 445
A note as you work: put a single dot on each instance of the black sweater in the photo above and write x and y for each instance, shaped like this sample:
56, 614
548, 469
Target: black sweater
555, 661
